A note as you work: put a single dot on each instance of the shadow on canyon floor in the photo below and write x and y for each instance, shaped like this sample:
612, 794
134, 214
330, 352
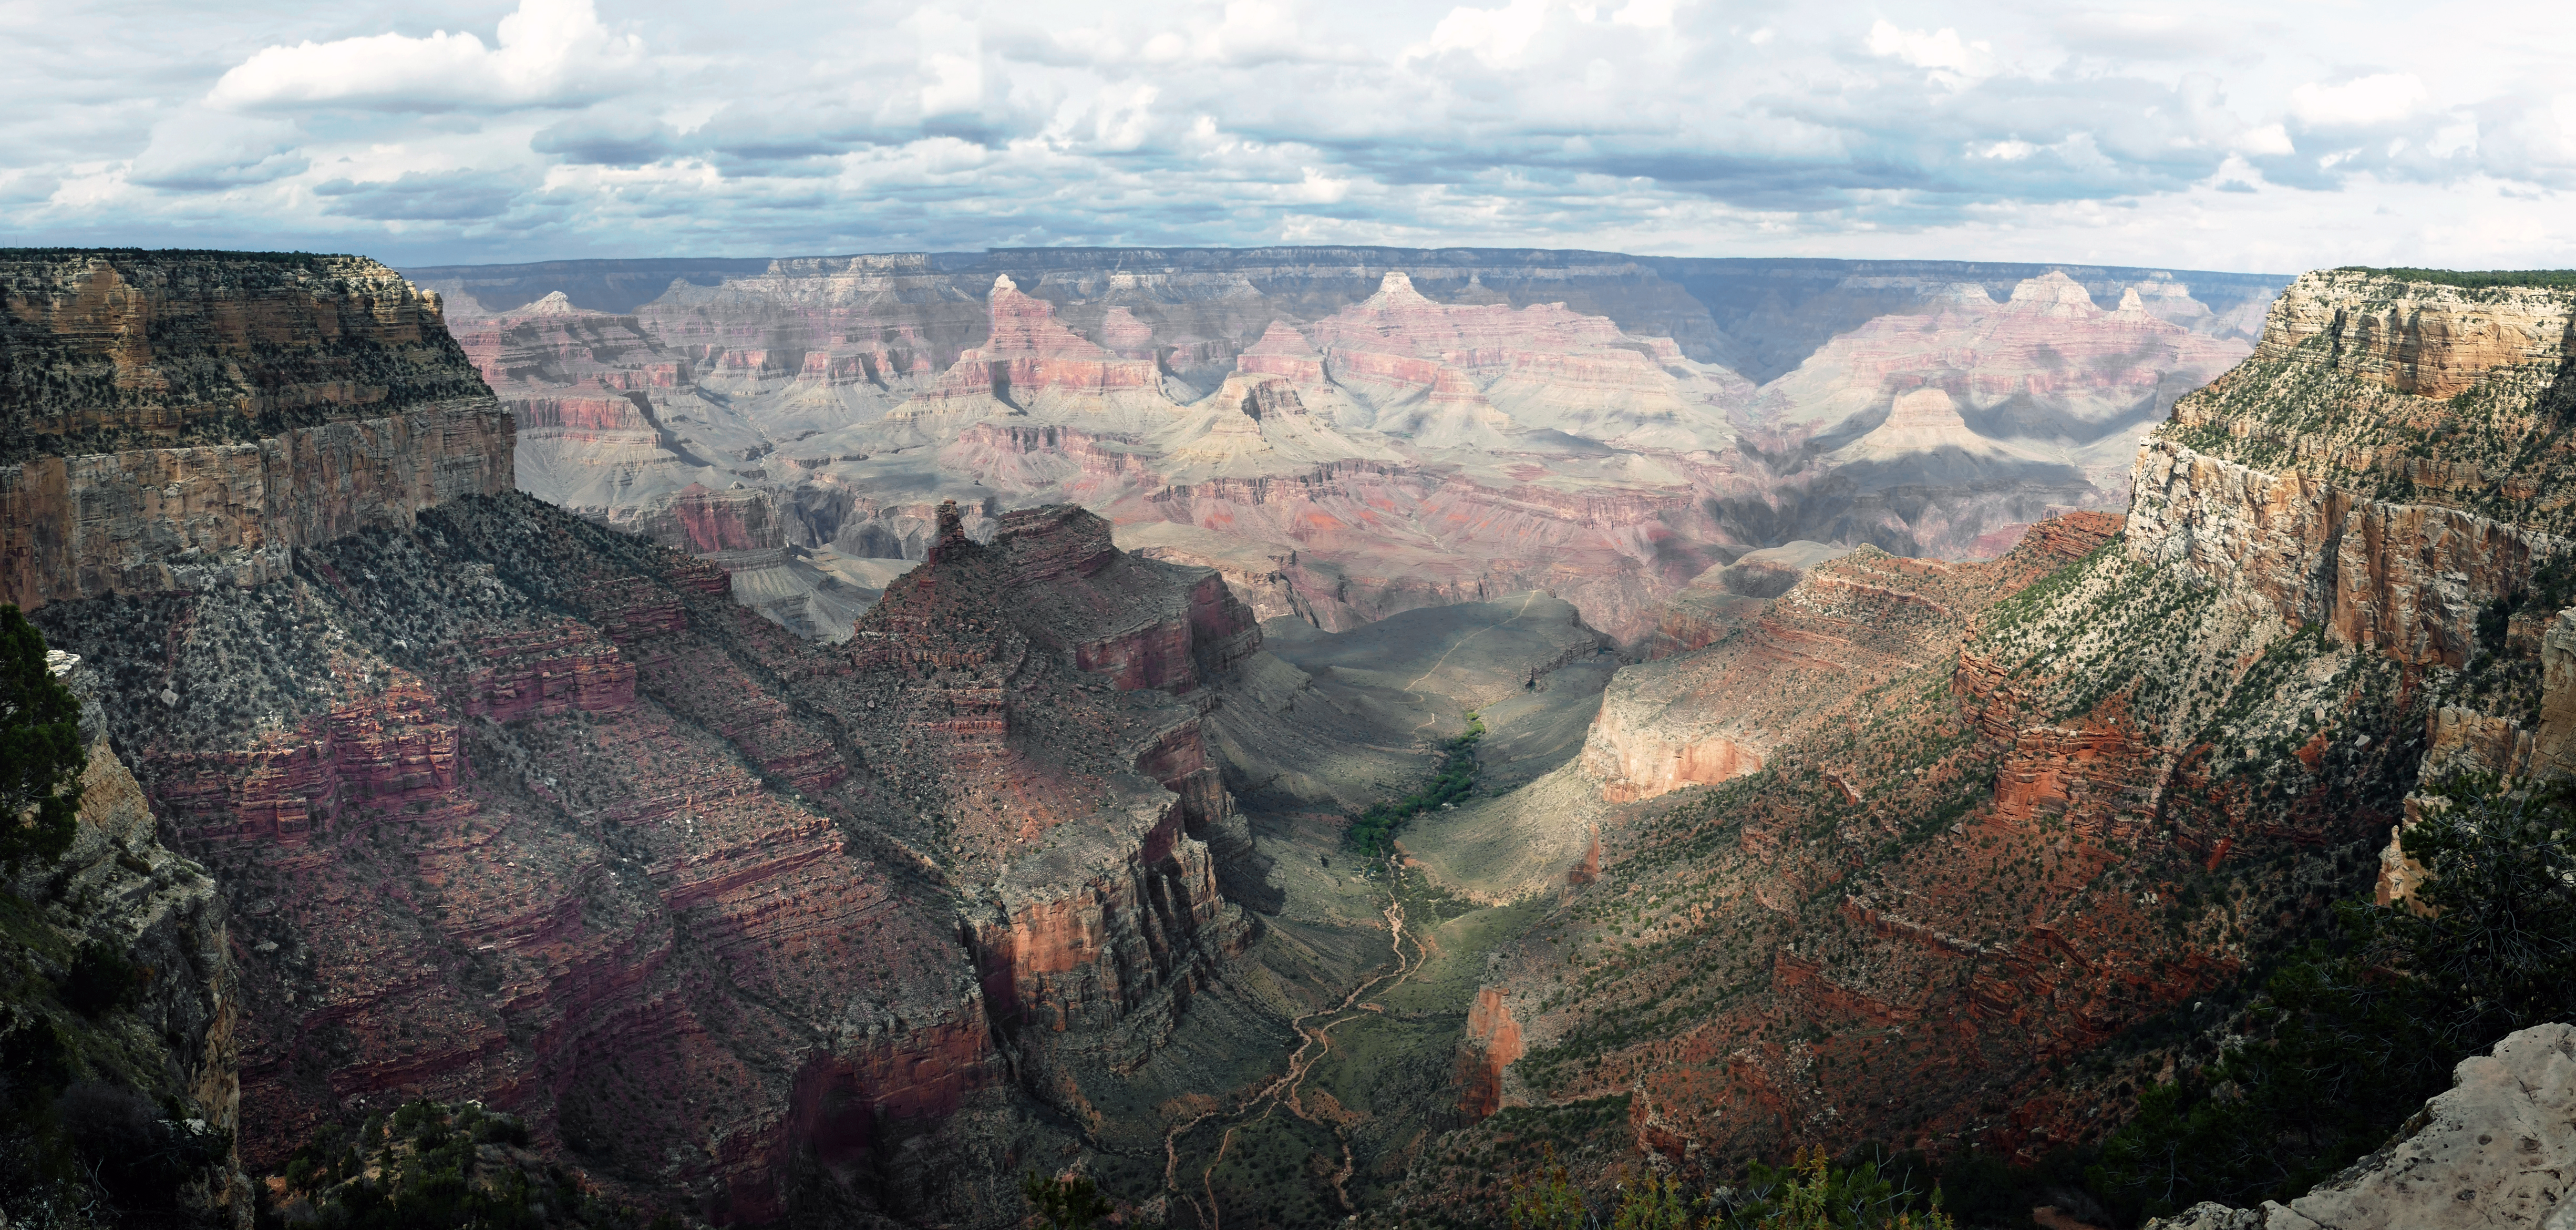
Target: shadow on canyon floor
1304, 1083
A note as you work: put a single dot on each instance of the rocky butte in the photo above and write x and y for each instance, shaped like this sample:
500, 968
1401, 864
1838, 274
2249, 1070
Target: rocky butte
506, 805
1343, 433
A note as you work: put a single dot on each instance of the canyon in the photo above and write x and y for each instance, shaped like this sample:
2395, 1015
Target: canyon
510, 807
1342, 433
1879, 849
521, 718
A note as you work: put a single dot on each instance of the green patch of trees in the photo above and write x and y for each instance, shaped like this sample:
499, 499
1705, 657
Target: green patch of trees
2475, 279
1372, 832
1811, 1193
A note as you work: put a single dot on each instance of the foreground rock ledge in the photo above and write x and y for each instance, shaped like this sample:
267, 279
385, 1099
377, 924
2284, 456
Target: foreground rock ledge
2499, 1149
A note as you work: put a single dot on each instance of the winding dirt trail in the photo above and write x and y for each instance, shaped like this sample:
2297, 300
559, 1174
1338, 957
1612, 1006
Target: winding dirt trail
1287, 1089
1461, 644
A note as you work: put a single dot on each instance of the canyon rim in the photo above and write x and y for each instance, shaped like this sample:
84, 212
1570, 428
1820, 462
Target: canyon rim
1291, 734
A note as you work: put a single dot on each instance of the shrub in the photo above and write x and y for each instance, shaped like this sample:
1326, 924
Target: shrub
1073, 1203
41, 758
101, 980
2352, 1037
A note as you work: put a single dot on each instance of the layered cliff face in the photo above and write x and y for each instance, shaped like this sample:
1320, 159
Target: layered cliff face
2387, 465
516, 808
509, 806
1347, 434
1996, 826
1845, 627
176, 423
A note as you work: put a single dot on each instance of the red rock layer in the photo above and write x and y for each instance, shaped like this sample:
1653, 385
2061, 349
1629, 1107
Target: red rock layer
1029, 355
1493, 1043
704, 941
701, 521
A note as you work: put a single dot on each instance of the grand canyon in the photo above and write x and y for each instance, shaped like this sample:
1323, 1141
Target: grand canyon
842, 740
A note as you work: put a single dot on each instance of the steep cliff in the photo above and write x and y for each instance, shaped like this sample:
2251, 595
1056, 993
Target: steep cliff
180, 421
1998, 845
508, 806
120, 1018
2492, 1151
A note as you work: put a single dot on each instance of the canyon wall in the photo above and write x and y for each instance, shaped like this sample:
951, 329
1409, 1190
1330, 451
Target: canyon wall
1949, 835
170, 1043
173, 423
2386, 465
1349, 433
504, 805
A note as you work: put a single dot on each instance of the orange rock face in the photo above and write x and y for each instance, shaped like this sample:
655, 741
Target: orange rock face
1493, 1043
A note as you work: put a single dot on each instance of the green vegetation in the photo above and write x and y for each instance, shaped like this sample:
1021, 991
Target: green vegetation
1065, 1204
431, 1166
1811, 1193
1373, 832
2350, 1038
41, 758
2475, 279
75, 1145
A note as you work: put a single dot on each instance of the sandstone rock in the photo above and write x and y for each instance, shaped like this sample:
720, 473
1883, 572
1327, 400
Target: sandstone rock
2402, 391
175, 519
166, 352
1493, 1043
1452, 418
2494, 1151
1717, 713
2554, 744
2408, 580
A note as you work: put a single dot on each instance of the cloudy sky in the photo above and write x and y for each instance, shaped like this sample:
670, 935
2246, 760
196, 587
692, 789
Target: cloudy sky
2261, 137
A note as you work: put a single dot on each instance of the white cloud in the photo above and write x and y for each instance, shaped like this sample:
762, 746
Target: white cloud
2268, 139
2362, 102
1657, 125
952, 62
548, 52
200, 150
1940, 50
1651, 14
1496, 36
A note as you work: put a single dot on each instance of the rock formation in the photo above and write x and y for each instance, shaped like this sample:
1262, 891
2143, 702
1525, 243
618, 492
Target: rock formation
1342, 434
513, 807
2494, 1151
1879, 857
1845, 626
175, 1036
178, 423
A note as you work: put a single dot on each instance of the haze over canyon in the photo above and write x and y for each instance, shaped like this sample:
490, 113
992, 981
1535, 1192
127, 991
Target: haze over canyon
1343, 433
